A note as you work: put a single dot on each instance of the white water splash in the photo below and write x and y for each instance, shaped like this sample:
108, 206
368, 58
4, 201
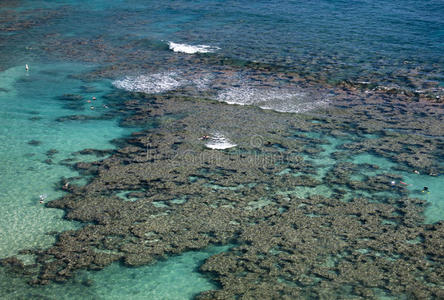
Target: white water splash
152, 83
191, 49
163, 82
242, 91
219, 141
277, 99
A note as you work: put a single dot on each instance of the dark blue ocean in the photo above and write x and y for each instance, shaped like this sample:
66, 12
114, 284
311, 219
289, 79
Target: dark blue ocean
374, 41
96, 47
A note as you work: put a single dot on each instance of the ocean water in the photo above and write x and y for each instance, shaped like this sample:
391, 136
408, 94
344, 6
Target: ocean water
33, 145
168, 279
168, 46
175, 278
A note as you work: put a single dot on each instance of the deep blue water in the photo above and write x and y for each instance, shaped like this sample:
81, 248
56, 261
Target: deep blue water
354, 41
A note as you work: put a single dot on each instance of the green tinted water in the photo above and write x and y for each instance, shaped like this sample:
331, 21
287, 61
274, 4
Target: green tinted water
413, 182
175, 278
28, 109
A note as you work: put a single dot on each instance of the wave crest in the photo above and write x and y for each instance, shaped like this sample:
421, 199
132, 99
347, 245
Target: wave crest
219, 142
281, 100
191, 49
242, 91
152, 83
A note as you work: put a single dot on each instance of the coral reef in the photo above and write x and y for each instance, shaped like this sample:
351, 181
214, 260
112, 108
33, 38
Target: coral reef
180, 195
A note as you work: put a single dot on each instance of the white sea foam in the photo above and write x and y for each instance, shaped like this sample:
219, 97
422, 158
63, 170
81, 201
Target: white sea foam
219, 141
202, 82
242, 92
152, 83
281, 100
191, 49
164, 82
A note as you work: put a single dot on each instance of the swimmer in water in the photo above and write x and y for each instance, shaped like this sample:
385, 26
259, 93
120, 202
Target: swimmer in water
42, 198
426, 190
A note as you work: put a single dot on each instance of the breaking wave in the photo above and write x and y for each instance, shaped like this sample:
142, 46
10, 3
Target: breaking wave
152, 83
162, 82
191, 49
235, 91
281, 100
219, 141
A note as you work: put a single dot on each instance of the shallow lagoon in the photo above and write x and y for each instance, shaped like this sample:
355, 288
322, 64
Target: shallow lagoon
29, 109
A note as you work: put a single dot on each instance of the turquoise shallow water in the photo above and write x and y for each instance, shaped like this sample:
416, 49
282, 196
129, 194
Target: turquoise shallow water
175, 278
413, 182
28, 108
393, 44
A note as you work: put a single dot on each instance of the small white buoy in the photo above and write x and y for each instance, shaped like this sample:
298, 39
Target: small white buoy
27, 67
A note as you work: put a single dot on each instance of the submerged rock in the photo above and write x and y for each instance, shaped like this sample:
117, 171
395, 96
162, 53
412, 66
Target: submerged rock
305, 226
34, 143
